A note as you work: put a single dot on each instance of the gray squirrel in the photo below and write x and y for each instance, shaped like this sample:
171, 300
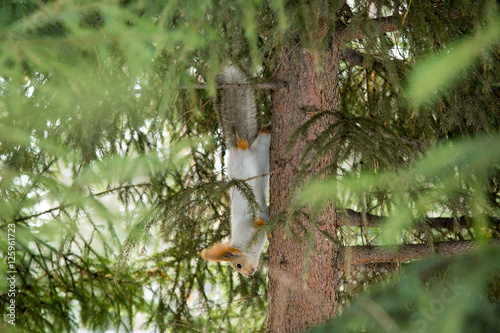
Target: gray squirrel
248, 158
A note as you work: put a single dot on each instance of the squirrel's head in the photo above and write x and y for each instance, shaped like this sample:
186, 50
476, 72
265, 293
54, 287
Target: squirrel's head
244, 263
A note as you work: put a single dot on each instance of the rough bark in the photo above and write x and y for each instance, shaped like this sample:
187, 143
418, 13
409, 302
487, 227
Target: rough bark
380, 267
295, 301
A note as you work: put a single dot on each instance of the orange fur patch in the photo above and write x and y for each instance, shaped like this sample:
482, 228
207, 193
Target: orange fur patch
242, 143
217, 252
259, 222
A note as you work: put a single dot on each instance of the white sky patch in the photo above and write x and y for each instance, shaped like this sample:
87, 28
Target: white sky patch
30, 91
137, 88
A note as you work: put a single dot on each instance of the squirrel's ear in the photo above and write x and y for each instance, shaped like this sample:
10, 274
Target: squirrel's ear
220, 252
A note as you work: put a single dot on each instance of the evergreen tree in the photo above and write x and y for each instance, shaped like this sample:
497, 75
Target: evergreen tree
385, 120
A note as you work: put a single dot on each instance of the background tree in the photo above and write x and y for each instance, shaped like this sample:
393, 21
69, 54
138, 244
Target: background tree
112, 163
374, 129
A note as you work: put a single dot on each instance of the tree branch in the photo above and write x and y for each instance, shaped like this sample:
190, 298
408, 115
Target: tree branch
390, 23
379, 267
386, 254
29, 217
358, 58
62, 206
352, 218
264, 86
385, 24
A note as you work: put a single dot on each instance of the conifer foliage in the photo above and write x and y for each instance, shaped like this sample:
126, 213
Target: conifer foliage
112, 174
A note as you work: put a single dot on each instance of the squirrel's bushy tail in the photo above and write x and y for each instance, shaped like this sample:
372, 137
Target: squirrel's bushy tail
236, 108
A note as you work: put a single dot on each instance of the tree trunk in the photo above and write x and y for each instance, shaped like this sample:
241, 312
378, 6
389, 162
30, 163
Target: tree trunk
297, 300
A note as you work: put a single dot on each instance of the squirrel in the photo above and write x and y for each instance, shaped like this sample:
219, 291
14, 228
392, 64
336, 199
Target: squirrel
248, 158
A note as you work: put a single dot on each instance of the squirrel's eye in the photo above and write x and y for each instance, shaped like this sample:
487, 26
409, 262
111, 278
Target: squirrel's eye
238, 265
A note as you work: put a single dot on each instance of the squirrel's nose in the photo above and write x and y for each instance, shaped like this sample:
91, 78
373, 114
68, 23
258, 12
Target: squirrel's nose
249, 272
